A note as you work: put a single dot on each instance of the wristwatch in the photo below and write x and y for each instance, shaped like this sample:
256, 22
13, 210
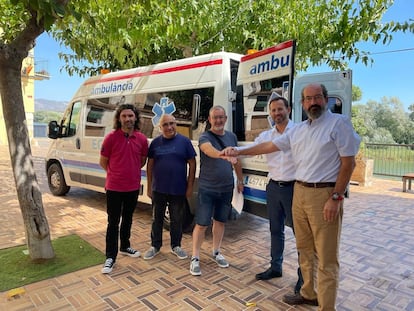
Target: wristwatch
336, 196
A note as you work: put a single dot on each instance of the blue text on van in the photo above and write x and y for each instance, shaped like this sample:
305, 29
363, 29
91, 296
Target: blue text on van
269, 65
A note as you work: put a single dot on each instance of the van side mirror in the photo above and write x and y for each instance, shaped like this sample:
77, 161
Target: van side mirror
53, 130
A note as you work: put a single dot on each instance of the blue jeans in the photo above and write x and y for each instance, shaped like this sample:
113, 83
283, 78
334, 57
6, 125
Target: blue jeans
212, 204
119, 204
176, 206
279, 209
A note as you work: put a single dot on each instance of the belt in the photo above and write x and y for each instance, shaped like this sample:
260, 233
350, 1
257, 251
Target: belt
283, 183
316, 184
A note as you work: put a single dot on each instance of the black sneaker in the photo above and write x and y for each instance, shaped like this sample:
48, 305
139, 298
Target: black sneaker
108, 266
130, 252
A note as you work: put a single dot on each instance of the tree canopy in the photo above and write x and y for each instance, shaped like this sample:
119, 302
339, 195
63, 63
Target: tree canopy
153, 31
128, 33
46, 116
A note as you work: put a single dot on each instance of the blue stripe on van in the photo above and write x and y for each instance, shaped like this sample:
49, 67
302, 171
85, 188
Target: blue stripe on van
254, 195
91, 167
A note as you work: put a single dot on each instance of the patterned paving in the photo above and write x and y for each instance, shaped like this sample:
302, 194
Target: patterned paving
377, 257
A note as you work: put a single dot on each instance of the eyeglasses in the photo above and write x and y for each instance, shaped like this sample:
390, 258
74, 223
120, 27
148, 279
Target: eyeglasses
315, 98
219, 117
168, 124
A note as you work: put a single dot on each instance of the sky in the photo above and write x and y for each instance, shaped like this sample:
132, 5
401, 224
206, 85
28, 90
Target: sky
391, 74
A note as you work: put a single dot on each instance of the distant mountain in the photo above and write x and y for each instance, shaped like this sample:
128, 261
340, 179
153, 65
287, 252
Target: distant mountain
42, 104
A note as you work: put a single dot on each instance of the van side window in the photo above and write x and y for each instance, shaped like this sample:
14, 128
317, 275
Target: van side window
70, 121
256, 95
335, 104
182, 100
99, 119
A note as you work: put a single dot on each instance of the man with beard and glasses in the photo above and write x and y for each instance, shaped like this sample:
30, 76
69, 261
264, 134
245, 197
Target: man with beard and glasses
123, 154
215, 187
323, 150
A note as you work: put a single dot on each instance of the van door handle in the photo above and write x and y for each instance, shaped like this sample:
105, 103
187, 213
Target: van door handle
77, 143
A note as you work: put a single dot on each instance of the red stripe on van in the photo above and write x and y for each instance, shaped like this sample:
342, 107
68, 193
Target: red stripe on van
156, 71
270, 50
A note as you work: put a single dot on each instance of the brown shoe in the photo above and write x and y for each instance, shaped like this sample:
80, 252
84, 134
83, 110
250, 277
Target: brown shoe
298, 299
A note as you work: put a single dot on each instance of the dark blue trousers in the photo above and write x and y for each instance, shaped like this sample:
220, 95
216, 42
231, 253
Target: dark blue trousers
279, 209
176, 206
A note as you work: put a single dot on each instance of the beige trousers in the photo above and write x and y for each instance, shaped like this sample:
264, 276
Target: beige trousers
317, 242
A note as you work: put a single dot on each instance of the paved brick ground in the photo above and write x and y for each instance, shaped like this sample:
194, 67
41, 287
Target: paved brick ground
377, 257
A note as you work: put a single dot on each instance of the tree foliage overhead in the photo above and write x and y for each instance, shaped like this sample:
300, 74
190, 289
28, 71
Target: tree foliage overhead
126, 34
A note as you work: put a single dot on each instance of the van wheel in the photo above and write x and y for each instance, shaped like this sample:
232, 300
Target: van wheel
56, 180
188, 220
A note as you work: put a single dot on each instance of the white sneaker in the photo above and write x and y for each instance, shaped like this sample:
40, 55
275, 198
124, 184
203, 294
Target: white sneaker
108, 266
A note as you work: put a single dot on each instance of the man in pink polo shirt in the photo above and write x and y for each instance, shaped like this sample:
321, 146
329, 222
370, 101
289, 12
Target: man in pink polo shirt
123, 154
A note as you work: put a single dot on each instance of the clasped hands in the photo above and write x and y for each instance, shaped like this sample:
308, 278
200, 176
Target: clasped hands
230, 154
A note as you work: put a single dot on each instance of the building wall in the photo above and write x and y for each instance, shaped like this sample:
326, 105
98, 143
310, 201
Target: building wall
28, 78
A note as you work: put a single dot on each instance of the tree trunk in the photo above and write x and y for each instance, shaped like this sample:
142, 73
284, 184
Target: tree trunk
28, 191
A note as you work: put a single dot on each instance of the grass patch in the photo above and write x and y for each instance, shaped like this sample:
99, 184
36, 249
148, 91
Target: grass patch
71, 254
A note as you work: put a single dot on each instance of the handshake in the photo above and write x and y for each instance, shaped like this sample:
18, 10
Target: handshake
230, 154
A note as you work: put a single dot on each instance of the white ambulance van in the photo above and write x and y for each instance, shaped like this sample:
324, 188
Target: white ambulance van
186, 88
